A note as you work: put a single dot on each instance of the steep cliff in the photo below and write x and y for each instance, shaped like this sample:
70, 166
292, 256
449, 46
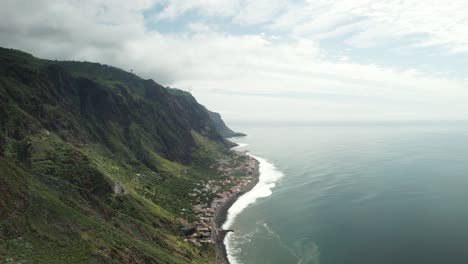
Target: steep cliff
221, 127
96, 163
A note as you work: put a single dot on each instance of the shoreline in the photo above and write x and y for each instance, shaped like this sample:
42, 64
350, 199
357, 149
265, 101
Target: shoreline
220, 217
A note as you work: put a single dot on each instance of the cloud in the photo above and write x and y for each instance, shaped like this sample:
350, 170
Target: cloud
279, 69
221, 8
443, 22
259, 11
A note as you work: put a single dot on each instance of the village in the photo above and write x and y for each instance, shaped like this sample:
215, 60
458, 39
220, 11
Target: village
210, 195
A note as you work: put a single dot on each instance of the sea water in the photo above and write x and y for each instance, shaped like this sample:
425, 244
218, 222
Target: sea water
359, 193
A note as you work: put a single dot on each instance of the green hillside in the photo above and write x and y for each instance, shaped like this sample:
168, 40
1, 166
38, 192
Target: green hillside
95, 164
218, 122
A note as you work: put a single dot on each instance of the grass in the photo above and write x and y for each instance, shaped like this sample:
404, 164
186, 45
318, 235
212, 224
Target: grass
70, 132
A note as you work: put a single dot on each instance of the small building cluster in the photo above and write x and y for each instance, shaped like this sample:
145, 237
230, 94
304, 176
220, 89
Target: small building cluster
210, 195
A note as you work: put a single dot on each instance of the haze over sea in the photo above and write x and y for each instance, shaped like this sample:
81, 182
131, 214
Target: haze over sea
359, 193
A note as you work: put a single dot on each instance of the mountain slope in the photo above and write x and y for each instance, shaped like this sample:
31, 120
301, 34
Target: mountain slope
95, 163
216, 119
221, 127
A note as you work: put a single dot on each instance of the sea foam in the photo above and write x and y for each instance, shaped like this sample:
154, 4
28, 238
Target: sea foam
269, 175
240, 145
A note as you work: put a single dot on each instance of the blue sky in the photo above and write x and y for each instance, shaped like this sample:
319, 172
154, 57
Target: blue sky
268, 60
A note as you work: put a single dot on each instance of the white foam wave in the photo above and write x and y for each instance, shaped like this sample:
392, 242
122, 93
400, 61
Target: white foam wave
269, 175
240, 145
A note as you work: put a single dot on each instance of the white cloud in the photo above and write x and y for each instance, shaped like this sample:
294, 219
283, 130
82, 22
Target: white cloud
254, 75
259, 11
443, 22
221, 8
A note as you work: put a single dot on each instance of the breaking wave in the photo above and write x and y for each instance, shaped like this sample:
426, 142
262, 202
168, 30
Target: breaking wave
240, 145
268, 177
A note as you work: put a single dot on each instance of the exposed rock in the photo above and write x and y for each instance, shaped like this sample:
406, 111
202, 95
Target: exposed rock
119, 189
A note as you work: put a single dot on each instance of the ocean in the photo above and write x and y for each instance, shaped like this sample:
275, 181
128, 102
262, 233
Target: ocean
358, 193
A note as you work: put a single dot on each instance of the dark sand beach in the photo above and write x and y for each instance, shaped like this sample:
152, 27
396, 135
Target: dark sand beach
220, 216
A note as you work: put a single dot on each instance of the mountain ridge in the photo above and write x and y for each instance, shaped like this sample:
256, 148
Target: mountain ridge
95, 163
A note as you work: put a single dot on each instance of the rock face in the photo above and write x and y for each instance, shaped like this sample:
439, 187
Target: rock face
75, 134
221, 126
102, 101
119, 189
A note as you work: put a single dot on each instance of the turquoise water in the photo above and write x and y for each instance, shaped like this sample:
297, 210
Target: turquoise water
364, 193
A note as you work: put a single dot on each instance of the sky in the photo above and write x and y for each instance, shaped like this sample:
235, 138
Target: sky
273, 60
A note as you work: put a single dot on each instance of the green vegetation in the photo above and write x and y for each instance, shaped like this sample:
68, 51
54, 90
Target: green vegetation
218, 122
96, 164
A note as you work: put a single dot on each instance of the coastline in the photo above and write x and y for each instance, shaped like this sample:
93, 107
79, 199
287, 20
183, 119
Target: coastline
220, 217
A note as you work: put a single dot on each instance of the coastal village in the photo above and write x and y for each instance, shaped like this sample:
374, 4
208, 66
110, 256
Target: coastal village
209, 195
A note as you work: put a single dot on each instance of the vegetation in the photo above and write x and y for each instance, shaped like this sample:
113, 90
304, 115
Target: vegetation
218, 122
96, 163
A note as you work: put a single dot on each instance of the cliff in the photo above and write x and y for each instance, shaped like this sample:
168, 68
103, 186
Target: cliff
96, 163
221, 127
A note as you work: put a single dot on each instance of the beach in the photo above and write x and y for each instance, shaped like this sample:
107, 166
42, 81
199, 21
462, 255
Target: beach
220, 217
